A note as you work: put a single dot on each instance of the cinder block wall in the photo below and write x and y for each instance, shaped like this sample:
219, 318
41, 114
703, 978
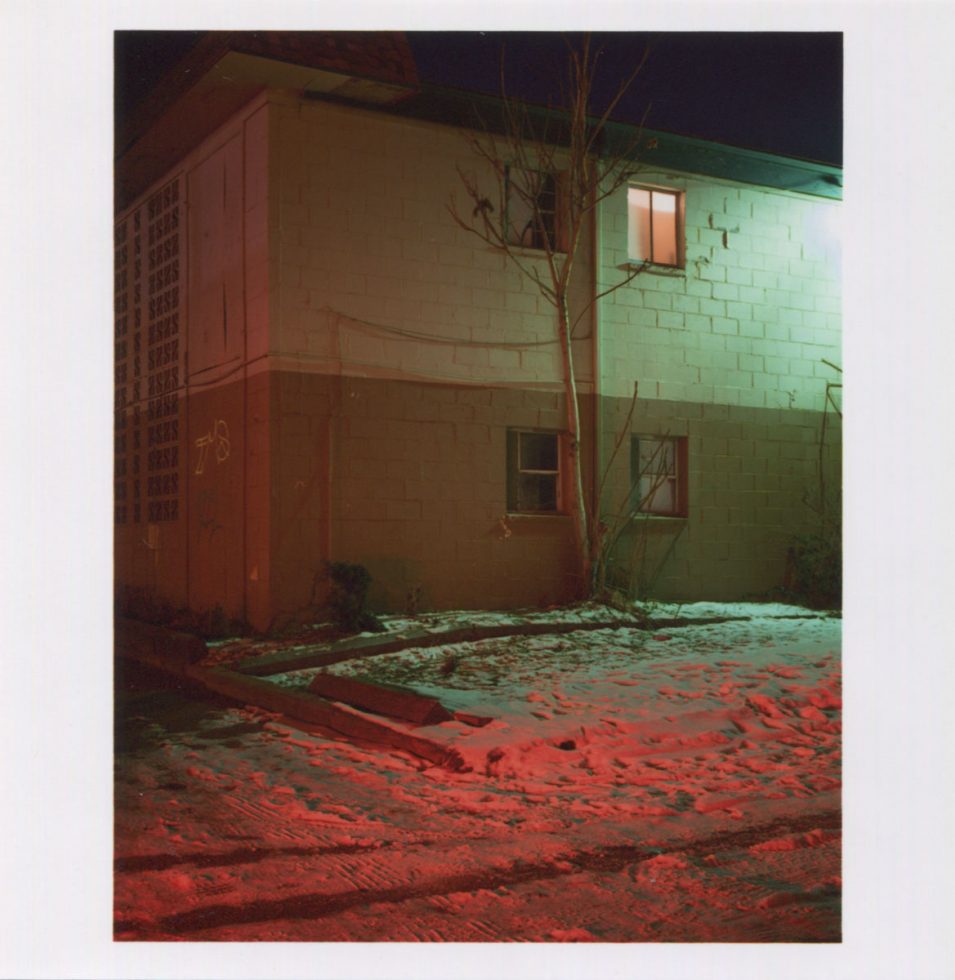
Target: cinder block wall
404, 348
729, 353
750, 318
422, 496
376, 282
409, 479
753, 484
374, 278
382, 353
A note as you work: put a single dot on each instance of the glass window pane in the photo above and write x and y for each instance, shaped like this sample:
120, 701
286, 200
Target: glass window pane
666, 461
638, 223
529, 226
657, 455
664, 228
537, 492
658, 494
546, 218
664, 203
546, 192
520, 217
655, 476
538, 451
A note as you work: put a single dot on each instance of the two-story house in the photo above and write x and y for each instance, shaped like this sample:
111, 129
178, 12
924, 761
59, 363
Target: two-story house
314, 362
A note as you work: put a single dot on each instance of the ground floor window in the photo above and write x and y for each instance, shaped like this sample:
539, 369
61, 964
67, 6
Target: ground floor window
658, 470
533, 472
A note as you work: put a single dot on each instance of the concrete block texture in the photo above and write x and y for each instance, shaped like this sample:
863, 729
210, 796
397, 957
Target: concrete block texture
381, 479
748, 267
753, 478
356, 362
410, 297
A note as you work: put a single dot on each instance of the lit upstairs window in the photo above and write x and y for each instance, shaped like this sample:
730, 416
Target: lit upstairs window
655, 226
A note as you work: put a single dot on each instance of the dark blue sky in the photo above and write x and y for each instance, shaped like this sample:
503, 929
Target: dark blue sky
777, 92
781, 93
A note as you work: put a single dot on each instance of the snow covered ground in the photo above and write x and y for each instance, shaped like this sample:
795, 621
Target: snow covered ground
681, 784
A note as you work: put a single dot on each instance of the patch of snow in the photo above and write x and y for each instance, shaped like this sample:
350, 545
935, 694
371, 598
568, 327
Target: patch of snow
601, 739
750, 610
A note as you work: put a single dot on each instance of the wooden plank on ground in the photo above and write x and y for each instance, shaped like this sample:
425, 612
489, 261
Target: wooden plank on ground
157, 643
317, 711
346, 649
374, 646
381, 700
475, 721
300, 705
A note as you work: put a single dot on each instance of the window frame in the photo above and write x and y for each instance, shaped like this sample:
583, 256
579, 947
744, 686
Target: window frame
679, 478
514, 471
553, 229
679, 229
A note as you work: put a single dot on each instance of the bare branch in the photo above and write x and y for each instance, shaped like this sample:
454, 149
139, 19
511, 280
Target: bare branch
624, 429
550, 179
622, 90
631, 275
633, 507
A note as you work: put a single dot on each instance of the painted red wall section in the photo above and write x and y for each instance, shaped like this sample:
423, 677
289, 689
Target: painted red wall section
216, 410
192, 393
258, 442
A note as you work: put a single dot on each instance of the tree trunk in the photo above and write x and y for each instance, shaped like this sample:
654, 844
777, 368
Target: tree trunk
578, 508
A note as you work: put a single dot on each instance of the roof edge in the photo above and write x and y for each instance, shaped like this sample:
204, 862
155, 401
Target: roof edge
689, 154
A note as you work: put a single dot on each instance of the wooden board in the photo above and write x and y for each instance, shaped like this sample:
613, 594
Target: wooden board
391, 701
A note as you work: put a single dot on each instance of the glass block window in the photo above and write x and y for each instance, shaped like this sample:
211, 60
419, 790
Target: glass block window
162, 367
148, 359
121, 369
138, 318
533, 472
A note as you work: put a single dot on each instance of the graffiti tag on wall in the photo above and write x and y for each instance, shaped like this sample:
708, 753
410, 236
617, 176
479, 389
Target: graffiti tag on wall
216, 438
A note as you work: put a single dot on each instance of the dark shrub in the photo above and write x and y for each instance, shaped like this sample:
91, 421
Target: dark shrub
347, 600
815, 569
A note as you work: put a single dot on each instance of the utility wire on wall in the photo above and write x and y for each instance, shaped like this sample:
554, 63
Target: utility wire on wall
432, 339
236, 366
396, 332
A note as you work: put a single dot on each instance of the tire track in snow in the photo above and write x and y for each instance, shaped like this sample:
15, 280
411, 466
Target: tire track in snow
610, 858
369, 876
245, 855
279, 826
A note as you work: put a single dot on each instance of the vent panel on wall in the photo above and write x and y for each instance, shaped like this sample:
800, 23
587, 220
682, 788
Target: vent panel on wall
149, 355
121, 364
163, 354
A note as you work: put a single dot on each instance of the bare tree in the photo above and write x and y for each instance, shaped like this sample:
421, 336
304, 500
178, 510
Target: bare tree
552, 170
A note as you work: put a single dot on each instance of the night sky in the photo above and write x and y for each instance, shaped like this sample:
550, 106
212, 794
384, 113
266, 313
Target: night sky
777, 92
781, 93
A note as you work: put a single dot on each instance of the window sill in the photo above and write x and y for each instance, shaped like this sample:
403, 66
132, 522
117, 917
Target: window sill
660, 517
521, 515
669, 271
527, 251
